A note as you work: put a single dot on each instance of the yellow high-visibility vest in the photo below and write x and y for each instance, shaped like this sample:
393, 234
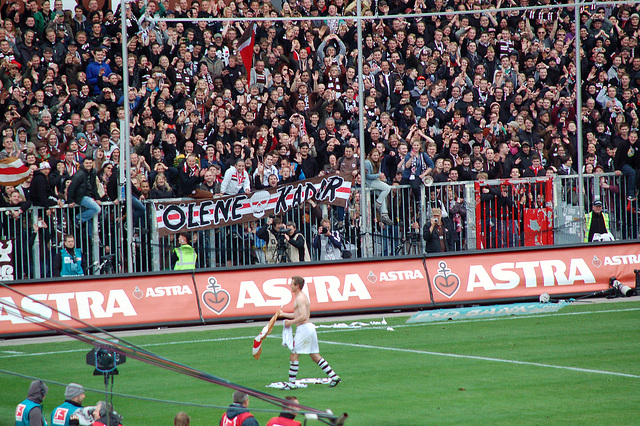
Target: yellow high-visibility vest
187, 257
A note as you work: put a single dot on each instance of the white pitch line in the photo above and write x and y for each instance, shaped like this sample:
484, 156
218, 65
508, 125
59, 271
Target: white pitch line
482, 358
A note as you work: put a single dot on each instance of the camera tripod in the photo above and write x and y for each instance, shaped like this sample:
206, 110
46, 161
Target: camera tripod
281, 256
411, 244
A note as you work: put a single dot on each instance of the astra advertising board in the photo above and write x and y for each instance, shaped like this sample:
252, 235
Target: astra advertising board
340, 287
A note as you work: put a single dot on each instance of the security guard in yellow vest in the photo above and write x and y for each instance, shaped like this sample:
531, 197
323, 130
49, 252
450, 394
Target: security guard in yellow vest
597, 221
185, 256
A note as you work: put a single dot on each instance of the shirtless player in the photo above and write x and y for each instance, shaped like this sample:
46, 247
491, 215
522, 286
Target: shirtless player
306, 340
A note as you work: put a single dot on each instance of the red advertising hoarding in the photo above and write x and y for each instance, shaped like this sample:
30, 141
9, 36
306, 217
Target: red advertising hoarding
340, 287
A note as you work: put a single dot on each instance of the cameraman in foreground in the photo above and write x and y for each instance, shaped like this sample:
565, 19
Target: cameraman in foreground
328, 243
284, 242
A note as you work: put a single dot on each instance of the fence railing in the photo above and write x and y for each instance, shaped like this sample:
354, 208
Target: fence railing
496, 214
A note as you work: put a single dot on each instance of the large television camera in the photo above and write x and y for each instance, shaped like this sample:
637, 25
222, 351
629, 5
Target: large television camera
105, 360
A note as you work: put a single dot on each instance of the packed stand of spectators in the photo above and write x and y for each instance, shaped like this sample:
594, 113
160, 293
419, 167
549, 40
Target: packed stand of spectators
450, 97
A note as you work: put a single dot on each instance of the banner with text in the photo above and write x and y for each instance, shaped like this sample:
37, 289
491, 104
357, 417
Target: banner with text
342, 287
174, 217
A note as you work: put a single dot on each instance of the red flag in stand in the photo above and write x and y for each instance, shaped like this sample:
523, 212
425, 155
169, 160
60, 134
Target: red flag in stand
245, 47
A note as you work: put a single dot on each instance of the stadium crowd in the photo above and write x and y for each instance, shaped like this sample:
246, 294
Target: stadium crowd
448, 97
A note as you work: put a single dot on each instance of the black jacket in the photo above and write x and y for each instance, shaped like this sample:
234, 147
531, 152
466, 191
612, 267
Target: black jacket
41, 193
433, 238
83, 184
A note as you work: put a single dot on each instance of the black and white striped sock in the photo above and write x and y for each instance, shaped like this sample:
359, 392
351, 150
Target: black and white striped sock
327, 368
293, 370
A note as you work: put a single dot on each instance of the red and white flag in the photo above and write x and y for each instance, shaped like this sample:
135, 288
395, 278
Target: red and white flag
257, 342
13, 171
245, 47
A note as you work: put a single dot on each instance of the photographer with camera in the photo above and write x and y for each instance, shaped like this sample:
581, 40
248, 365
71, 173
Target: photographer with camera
438, 233
272, 232
284, 242
105, 415
328, 243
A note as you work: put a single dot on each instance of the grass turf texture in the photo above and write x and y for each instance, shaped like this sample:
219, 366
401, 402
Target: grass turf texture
415, 380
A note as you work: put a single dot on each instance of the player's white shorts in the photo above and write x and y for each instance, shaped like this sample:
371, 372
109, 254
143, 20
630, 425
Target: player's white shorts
306, 340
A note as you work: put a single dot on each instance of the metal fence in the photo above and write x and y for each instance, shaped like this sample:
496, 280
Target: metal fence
496, 214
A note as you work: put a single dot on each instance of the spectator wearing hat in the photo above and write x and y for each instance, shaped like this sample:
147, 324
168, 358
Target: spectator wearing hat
68, 133
222, 51
73, 397
419, 89
524, 156
83, 146
597, 222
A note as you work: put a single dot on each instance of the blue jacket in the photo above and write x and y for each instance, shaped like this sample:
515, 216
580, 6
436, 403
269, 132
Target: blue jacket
93, 74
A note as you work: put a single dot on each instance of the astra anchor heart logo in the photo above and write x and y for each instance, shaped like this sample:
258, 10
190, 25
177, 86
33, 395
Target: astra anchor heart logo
446, 282
137, 293
215, 297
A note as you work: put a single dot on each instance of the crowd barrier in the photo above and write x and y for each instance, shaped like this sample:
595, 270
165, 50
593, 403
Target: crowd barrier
235, 294
516, 213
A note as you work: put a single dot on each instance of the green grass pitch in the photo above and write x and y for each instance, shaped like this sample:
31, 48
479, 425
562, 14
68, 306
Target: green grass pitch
578, 366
